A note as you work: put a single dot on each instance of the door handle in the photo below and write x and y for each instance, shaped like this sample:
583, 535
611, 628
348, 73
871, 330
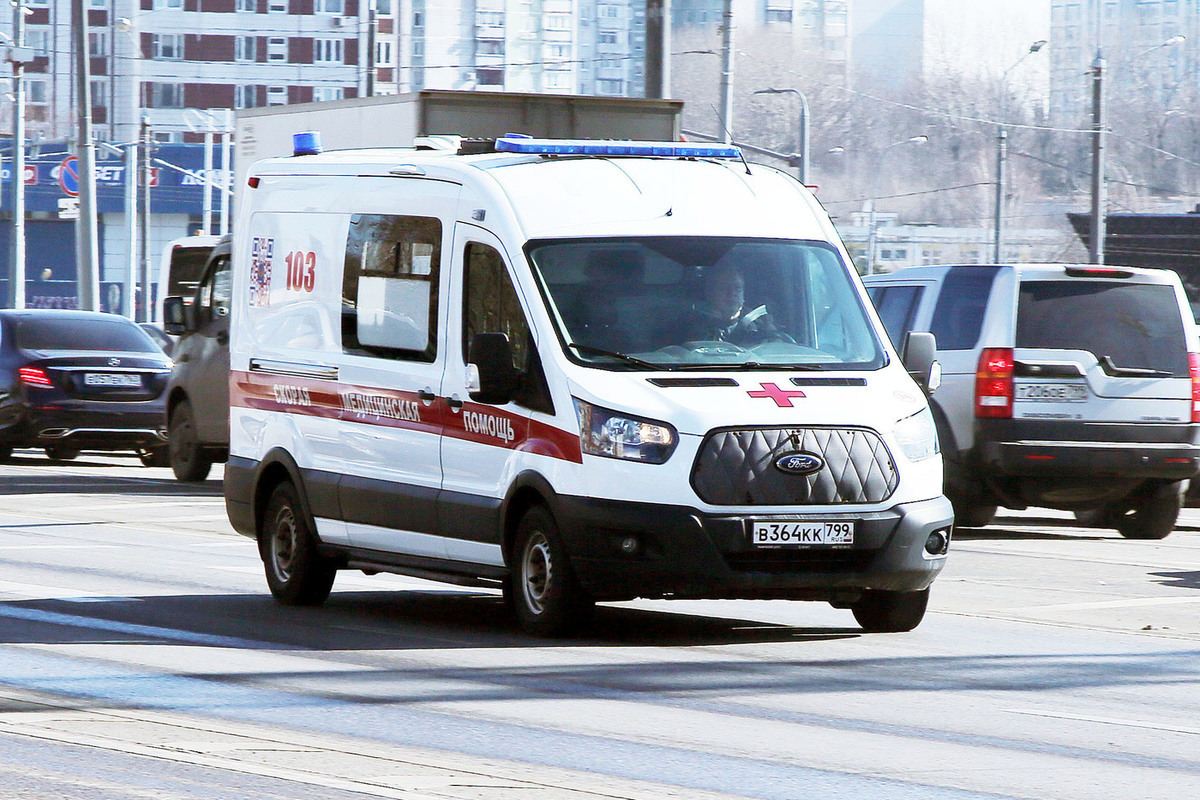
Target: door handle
427, 397
454, 403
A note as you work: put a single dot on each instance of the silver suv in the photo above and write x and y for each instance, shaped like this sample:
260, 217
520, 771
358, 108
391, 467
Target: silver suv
1063, 386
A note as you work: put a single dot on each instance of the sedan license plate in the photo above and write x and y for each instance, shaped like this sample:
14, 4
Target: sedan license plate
112, 379
801, 533
1052, 392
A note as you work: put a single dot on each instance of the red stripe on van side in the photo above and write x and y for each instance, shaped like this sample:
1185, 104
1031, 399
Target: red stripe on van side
367, 405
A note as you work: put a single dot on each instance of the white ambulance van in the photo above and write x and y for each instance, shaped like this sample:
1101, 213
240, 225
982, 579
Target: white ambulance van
576, 371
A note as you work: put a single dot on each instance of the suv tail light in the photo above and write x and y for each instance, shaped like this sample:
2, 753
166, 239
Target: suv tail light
994, 383
36, 376
1194, 368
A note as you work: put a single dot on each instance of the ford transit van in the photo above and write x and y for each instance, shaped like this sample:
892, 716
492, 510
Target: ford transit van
575, 371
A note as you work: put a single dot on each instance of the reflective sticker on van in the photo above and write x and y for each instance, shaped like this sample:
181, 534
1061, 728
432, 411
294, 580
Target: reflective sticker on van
262, 250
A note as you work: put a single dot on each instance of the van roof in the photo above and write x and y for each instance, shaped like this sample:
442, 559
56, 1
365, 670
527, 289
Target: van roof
595, 195
1034, 270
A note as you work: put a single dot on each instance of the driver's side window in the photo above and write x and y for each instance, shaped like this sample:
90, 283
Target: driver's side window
212, 298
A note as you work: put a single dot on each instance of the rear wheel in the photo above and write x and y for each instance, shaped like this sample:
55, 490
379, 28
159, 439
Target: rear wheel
542, 588
187, 457
61, 453
1148, 515
154, 456
890, 612
296, 573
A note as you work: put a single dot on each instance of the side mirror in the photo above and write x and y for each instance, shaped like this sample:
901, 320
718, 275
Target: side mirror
919, 354
492, 379
175, 317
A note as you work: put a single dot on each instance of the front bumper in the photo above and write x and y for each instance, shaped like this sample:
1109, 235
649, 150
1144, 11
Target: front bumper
684, 553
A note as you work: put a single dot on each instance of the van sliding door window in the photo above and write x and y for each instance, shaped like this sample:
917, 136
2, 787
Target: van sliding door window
390, 287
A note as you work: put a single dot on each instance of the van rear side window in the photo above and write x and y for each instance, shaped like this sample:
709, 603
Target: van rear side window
1137, 325
390, 286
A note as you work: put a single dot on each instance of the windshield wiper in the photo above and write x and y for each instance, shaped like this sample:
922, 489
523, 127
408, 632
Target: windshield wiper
586, 349
1111, 369
750, 365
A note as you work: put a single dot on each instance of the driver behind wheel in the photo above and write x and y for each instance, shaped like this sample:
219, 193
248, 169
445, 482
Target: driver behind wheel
722, 317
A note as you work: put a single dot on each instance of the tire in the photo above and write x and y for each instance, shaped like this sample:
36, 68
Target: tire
969, 514
890, 612
188, 461
1149, 515
296, 573
541, 587
61, 453
154, 456
1096, 518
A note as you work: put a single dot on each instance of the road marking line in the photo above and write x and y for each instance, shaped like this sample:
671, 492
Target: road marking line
37, 591
133, 629
1138, 602
1127, 723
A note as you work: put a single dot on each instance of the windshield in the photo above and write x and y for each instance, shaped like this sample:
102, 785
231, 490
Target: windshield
697, 302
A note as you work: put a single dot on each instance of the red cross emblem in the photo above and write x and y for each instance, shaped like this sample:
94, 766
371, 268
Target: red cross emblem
782, 397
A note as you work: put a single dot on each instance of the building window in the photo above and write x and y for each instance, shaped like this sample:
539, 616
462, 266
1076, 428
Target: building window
99, 90
167, 95
163, 5
97, 44
383, 54
38, 40
558, 22
609, 86
167, 46
245, 48
383, 8
609, 12
245, 96
98, 4
328, 7
486, 19
35, 91
327, 51
606, 37
247, 5
489, 47
277, 49
277, 95
277, 7
323, 94
489, 77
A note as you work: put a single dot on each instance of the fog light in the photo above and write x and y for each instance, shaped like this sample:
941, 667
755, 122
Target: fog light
630, 545
938, 542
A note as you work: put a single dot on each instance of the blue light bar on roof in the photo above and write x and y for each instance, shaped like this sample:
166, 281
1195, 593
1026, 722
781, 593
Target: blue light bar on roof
598, 147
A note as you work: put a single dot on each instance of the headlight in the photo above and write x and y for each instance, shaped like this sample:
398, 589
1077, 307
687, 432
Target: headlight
616, 435
917, 436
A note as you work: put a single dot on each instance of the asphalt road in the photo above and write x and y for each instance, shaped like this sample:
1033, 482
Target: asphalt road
141, 656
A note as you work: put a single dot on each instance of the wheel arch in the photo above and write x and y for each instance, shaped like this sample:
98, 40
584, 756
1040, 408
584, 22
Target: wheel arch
527, 490
277, 467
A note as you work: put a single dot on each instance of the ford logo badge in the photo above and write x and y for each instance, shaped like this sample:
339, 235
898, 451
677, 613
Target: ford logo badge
799, 463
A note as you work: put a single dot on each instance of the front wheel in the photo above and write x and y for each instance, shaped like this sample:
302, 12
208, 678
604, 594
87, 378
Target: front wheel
890, 612
296, 573
541, 587
187, 456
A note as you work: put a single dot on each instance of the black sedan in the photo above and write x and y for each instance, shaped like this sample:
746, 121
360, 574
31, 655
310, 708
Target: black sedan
81, 380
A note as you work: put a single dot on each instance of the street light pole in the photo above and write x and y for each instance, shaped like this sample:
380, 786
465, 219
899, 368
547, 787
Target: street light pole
86, 250
871, 223
727, 72
1099, 201
18, 56
802, 150
1002, 155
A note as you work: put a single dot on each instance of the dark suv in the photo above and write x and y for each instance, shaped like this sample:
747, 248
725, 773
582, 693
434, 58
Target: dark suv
1063, 386
80, 380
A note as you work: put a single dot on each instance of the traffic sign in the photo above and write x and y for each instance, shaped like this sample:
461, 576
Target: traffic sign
68, 176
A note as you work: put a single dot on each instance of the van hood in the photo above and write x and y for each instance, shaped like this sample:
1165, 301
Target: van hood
696, 403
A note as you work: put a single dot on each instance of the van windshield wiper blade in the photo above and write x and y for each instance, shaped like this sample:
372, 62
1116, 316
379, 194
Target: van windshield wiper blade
1110, 368
588, 350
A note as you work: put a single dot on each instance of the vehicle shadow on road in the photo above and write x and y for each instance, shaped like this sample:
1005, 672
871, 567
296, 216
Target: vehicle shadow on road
1022, 528
1178, 580
102, 483
391, 620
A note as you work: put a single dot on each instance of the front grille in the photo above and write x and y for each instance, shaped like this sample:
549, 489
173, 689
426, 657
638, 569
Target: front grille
781, 561
737, 467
